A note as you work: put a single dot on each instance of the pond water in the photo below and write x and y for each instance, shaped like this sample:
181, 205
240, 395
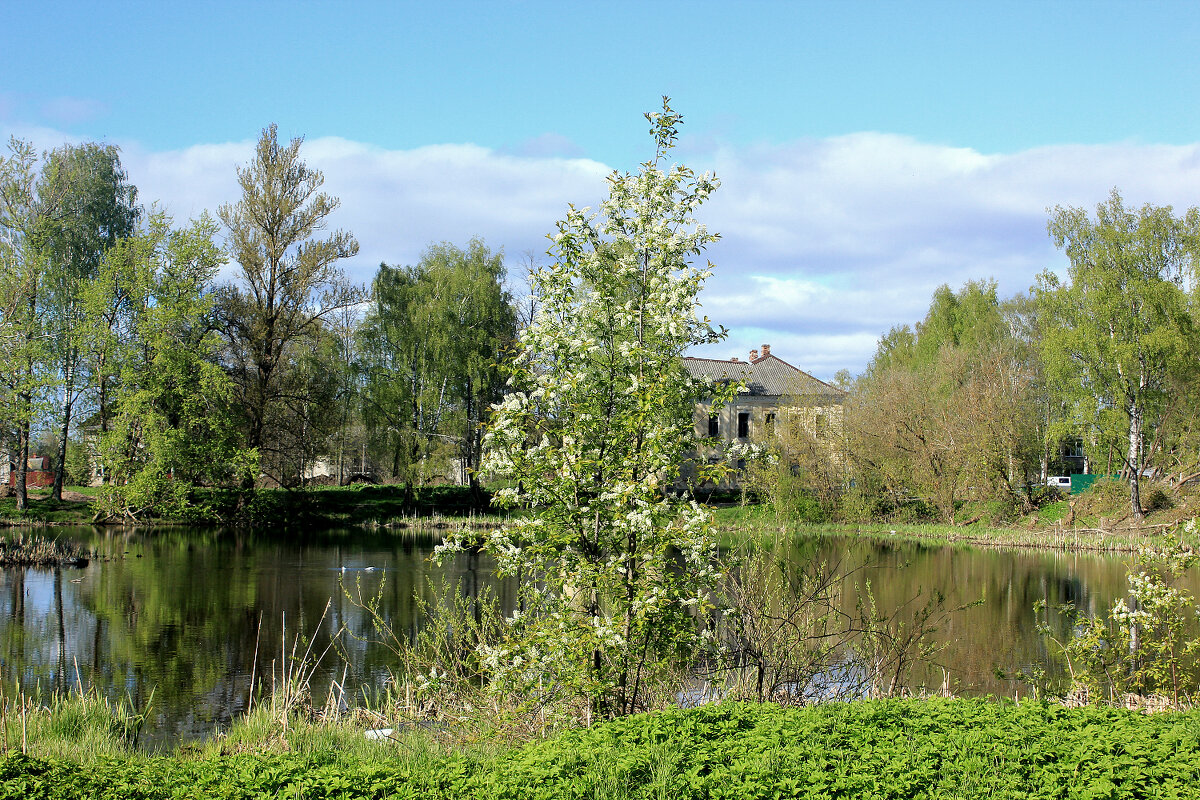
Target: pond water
189, 616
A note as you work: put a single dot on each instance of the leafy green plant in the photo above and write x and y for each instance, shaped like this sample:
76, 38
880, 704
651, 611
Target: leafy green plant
1147, 643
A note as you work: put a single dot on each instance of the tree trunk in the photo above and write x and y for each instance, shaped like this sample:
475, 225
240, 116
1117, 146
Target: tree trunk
1134, 461
60, 465
22, 465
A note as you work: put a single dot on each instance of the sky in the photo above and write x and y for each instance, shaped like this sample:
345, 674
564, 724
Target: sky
868, 152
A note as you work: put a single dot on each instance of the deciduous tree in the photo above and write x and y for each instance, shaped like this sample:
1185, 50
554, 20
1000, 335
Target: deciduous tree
289, 281
1119, 328
173, 424
590, 438
432, 346
26, 206
97, 208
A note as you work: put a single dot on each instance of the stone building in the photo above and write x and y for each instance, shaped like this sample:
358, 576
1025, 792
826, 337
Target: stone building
774, 393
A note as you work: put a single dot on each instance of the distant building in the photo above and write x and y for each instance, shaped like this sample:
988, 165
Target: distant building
773, 393
37, 471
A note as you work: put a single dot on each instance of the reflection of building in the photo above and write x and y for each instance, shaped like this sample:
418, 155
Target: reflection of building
773, 393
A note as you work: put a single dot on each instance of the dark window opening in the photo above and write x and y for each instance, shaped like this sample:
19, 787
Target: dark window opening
822, 426
714, 425
770, 417
743, 424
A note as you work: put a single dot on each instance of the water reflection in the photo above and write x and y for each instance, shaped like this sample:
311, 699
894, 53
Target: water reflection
183, 614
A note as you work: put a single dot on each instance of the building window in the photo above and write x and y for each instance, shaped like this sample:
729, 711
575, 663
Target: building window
743, 424
1073, 448
770, 418
821, 426
714, 425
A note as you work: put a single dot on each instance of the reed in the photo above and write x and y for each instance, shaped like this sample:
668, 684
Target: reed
34, 550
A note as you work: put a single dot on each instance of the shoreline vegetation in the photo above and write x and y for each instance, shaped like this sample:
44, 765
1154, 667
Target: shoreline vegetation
81, 747
1095, 521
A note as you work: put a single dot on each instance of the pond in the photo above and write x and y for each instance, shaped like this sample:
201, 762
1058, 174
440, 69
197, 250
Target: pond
183, 619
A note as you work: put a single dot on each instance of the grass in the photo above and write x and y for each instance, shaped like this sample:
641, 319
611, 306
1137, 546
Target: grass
356, 506
44, 511
1053, 538
1096, 521
80, 726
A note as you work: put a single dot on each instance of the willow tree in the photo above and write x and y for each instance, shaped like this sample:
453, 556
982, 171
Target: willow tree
289, 281
1119, 331
598, 419
431, 347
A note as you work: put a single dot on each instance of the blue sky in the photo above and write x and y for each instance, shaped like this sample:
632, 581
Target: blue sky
868, 151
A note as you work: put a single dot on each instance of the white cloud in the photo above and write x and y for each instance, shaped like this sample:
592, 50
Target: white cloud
825, 243
828, 243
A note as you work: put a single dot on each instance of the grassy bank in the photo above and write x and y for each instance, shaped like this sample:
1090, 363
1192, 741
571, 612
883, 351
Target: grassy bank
1096, 521
879, 749
734, 525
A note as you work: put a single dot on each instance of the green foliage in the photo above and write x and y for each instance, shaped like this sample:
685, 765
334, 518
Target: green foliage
431, 348
97, 207
1147, 644
946, 414
616, 572
25, 379
885, 749
1119, 333
289, 288
172, 426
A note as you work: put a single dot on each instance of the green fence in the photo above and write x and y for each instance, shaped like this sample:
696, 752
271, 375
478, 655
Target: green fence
1081, 483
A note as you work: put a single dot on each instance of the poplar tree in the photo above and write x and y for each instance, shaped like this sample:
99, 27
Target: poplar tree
288, 283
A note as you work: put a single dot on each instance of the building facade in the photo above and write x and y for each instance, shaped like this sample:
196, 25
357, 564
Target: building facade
773, 394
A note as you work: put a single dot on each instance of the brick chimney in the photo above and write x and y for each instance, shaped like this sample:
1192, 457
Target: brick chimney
766, 350
735, 358
753, 356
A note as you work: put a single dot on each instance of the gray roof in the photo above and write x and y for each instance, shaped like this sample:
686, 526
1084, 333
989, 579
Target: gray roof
768, 376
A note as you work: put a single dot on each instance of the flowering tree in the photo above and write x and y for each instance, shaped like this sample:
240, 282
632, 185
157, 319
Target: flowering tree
617, 569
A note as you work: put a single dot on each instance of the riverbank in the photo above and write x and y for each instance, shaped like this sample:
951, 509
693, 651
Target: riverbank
1097, 521
355, 506
934, 748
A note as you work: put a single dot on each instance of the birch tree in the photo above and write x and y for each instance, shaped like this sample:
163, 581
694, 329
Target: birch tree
1119, 329
97, 209
25, 208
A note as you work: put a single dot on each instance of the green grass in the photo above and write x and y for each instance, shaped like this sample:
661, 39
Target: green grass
44, 511
736, 523
878, 749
